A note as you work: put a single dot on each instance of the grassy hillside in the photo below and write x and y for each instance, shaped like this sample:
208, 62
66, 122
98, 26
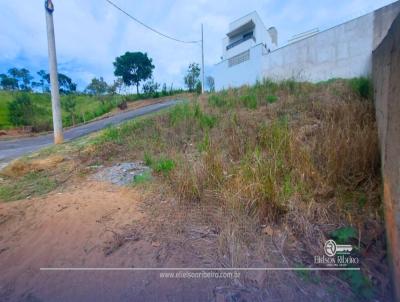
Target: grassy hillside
87, 108
5, 98
299, 161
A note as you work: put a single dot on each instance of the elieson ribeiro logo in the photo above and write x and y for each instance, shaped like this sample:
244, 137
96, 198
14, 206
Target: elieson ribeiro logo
336, 255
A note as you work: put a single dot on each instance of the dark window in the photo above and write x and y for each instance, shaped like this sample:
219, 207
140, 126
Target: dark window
245, 37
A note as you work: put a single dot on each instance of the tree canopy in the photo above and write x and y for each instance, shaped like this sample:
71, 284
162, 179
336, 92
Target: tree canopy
133, 68
97, 86
16, 79
192, 76
65, 83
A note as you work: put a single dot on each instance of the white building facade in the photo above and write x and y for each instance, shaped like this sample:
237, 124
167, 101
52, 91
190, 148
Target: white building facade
250, 51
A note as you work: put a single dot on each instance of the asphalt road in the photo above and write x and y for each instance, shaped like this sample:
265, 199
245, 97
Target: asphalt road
11, 149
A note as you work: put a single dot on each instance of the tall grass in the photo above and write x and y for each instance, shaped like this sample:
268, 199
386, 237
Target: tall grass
301, 157
283, 153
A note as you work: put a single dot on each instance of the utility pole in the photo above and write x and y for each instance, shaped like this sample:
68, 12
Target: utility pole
55, 93
202, 59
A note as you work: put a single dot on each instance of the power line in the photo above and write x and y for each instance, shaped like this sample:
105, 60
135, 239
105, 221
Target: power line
148, 27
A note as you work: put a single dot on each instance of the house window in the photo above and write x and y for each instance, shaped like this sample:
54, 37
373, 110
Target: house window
240, 58
244, 38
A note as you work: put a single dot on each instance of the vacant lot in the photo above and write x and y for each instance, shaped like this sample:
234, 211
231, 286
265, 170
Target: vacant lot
253, 177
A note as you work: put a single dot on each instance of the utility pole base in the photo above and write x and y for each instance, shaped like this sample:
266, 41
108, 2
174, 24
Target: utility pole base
58, 139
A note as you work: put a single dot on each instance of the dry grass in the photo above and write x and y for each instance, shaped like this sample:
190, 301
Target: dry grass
314, 143
299, 158
21, 167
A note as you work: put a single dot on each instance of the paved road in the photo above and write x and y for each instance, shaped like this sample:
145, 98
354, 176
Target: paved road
11, 149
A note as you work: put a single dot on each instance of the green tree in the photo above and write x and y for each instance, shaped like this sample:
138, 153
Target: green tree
26, 79
97, 86
150, 88
65, 83
116, 86
133, 68
43, 82
21, 110
69, 106
192, 76
198, 87
22, 76
8, 83
210, 83
164, 91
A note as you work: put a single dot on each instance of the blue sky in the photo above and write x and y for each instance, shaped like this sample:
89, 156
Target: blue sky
91, 33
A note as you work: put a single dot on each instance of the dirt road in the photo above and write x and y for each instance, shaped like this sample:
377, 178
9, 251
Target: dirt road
11, 149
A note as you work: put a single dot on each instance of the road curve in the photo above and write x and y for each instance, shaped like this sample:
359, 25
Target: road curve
11, 149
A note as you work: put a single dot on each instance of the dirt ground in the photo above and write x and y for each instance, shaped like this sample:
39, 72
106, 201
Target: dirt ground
84, 227
95, 224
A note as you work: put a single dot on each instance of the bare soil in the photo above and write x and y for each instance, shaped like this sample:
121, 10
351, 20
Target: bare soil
91, 225
96, 224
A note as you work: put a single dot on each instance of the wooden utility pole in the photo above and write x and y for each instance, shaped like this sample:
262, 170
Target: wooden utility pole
202, 59
55, 93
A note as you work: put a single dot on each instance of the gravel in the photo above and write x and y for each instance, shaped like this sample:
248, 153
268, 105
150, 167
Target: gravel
121, 174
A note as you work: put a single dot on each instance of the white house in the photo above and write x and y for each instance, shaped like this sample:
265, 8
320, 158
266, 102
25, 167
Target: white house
242, 49
245, 33
250, 51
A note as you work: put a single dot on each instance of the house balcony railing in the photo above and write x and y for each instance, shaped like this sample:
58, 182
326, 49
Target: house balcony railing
245, 38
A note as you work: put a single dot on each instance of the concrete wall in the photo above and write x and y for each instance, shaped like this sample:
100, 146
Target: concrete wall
344, 51
246, 73
386, 76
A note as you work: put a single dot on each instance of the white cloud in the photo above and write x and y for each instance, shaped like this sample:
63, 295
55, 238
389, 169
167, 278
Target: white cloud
90, 34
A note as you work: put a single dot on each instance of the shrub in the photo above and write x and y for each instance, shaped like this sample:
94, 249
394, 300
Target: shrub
272, 99
142, 178
249, 101
21, 110
164, 165
362, 86
198, 87
217, 101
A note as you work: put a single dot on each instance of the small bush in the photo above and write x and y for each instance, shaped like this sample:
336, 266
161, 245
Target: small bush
180, 113
198, 87
21, 110
362, 86
272, 99
142, 178
217, 101
164, 165
148, 159
249, 101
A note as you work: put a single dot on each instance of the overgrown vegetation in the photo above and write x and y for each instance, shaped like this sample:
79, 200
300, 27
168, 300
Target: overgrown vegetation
34, 109
300, 157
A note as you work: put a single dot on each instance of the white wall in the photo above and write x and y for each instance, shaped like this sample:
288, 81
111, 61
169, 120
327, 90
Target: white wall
341, 52
344, 51
245, 73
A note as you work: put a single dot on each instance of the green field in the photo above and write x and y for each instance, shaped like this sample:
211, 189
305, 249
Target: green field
87, 108
5, 98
